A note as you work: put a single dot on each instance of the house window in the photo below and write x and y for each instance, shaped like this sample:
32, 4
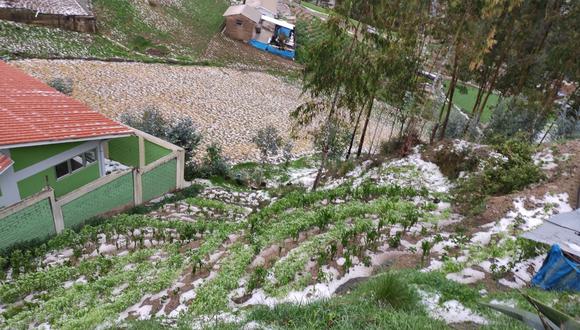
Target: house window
239, 22
76, 163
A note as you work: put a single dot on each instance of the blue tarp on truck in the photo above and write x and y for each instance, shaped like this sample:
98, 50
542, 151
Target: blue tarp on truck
289, 54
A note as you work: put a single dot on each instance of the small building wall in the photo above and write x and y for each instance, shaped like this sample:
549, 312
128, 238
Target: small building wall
43, 214
239, 27
28, 156
160, 180
63, 186
87, 24
34, 169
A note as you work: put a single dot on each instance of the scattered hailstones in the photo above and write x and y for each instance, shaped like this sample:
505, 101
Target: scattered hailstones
545, 159
451, 311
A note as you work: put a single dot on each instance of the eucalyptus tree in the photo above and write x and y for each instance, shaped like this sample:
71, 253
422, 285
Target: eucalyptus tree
543, 54
355, 63
461, 32
395, 45
332, 76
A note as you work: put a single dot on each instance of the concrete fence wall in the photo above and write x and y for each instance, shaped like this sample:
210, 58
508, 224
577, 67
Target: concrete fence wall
42, 215
30, 219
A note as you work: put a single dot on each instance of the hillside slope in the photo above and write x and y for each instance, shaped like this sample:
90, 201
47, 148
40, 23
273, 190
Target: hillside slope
130, 29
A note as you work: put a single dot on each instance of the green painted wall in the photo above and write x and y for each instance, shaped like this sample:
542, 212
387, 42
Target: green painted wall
24, 157
159, 181
111, 196
154, 152
37, 182
33, 222
125, 150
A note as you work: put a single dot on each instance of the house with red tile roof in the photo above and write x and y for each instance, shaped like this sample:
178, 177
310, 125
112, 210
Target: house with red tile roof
86, 164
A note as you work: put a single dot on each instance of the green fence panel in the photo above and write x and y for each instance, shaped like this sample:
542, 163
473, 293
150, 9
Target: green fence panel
154, 152
159, 180
111, 196
125, 150
33, 222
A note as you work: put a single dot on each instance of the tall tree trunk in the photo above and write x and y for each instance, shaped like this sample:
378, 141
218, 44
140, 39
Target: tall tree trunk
329, 120
329, 138
438, 123
352, 137
375, 133
452, 85
548, 105
480, 92
365, 126
546, 134
490, 89
402, 129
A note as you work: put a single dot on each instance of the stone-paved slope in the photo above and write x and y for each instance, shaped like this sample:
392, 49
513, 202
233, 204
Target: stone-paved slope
229, 106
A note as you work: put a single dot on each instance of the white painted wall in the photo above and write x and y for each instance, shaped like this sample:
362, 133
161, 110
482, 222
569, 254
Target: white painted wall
8, 185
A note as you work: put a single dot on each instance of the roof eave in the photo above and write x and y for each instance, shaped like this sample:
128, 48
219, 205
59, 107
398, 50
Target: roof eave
84, 139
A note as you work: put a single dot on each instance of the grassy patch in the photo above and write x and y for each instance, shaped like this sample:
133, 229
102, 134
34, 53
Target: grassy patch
355, 310
467, 101
316, 8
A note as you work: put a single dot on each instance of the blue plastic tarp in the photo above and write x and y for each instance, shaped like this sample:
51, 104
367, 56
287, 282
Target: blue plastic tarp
289, 54
284, 31
558, 272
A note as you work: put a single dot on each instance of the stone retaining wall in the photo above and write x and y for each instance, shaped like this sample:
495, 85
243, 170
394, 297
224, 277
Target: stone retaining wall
87, 24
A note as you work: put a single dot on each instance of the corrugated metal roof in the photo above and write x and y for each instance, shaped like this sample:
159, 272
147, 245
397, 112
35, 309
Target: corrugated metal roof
562, 229
32, 112
5, 163
270, 5
244, 10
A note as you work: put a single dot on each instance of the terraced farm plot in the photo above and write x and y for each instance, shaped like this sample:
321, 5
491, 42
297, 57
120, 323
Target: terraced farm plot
217, 258
131, 29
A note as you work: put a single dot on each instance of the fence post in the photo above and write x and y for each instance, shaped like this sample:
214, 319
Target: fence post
180, 169
57, 216
141, 151
137, 187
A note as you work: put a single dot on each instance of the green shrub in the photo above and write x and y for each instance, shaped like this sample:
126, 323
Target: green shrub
390, 147
182, 132
213, 164
339, 168
63, 85
499, 176
390, 290
517, 115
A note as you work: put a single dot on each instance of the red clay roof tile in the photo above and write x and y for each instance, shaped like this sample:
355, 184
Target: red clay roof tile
33, 112
5, 163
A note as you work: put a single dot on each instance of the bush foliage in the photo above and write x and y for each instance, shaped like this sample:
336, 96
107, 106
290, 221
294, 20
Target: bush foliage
63, 85
182, 132
499, 176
